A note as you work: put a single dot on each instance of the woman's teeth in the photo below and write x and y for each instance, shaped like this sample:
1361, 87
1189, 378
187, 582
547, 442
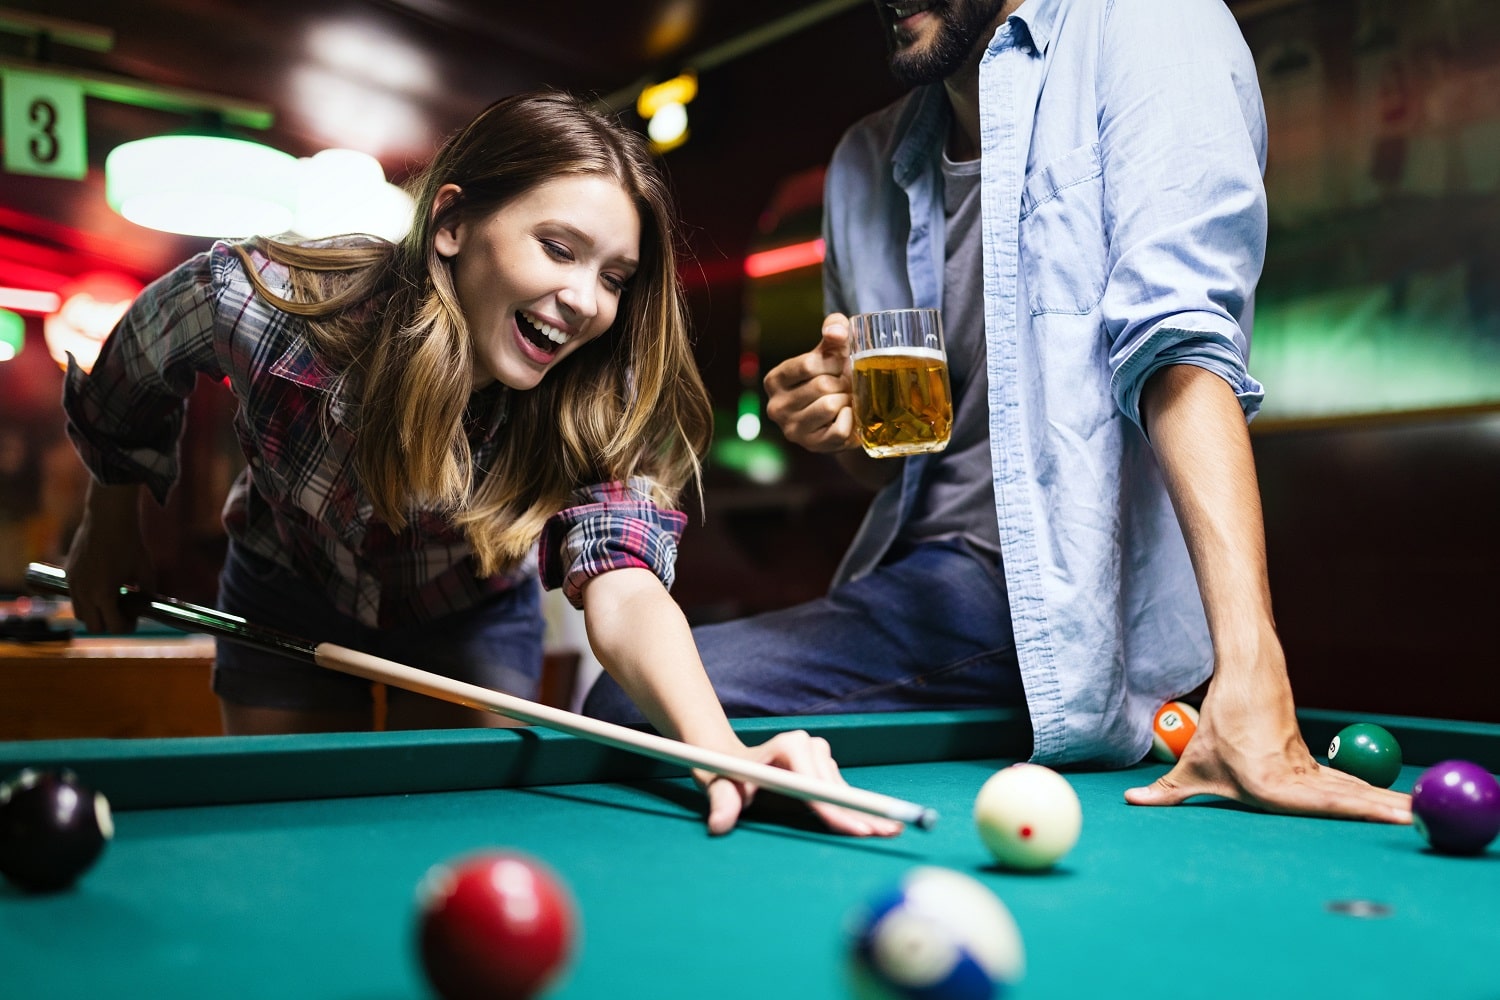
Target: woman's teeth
552, 333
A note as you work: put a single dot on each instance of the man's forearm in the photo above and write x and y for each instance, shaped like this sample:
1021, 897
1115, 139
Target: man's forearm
1198, 432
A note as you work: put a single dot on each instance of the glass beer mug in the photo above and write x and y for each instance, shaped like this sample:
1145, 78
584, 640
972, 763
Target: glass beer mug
903, 404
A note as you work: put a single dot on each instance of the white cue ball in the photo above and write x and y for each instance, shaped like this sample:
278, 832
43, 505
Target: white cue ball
1028, 816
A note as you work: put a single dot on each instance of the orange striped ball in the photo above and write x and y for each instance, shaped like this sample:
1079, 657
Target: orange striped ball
1174, 725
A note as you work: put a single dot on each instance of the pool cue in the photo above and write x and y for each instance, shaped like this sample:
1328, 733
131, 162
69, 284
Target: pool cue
196, 618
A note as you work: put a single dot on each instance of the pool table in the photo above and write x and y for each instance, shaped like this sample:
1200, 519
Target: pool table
286, 867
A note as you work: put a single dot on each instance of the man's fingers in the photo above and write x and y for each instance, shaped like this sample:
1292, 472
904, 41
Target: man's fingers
808, 396
1160, 792
824, 426
829, 357
1332, 794
842, 428
1325, 793
799, 371
834, 344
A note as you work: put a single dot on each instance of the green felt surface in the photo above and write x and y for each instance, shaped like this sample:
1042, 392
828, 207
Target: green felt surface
314, 897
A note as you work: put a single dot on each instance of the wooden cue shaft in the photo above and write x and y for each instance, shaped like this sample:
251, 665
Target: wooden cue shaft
776, 779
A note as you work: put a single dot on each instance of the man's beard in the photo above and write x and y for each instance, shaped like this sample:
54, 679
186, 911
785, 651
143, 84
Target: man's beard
964, 25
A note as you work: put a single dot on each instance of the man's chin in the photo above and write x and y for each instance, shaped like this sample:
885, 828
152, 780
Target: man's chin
914, 68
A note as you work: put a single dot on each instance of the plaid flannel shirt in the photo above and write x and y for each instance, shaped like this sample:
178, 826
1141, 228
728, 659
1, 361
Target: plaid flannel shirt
298, 501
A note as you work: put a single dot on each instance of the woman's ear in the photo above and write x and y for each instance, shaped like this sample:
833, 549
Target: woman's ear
447, 238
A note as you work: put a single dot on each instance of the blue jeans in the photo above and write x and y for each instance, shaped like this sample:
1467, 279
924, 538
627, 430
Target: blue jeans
928, 630
496, 644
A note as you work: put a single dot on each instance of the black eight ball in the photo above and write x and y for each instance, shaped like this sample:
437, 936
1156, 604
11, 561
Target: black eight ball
52, 828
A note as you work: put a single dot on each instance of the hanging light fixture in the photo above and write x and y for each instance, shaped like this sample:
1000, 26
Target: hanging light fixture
203, 182
343, 191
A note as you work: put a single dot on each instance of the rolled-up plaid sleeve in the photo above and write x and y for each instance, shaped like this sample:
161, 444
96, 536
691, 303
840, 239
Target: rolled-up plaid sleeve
609, 526
124, 417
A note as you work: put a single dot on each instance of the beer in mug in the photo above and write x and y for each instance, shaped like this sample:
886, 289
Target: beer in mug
902, 401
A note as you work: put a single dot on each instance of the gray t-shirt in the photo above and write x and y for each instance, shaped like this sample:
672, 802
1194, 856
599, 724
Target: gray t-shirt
958, 492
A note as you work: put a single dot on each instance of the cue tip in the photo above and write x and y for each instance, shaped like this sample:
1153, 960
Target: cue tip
927, 818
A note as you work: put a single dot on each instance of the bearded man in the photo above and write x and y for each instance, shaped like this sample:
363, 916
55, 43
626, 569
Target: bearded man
1077, 186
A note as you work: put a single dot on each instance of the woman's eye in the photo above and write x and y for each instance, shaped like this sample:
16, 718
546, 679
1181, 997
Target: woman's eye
617, 284
556, 250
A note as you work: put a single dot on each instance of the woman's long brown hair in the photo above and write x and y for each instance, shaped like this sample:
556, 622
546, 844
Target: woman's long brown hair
386, 317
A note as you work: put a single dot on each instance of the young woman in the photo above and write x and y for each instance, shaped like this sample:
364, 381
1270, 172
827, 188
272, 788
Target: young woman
418, 419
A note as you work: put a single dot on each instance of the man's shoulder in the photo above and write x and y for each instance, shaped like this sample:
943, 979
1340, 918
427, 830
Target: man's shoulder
1144, 17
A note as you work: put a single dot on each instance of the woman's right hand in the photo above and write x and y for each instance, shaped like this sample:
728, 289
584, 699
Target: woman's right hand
108, 553
801, 753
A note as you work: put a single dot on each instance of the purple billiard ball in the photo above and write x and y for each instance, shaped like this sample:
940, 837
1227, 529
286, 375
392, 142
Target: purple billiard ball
1456, 806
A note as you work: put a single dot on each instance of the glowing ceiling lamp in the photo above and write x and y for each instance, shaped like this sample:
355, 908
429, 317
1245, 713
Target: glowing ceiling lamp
345, 191
203, 183
12, 334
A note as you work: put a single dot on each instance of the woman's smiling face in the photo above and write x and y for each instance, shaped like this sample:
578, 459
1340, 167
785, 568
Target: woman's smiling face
543, 274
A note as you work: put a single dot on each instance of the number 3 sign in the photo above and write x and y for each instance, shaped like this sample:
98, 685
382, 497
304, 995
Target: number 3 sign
44, 131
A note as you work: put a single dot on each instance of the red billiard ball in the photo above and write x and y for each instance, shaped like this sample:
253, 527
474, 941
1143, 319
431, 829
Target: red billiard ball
52, 829
498, 925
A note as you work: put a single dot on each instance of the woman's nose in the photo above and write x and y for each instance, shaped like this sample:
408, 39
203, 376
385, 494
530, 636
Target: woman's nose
578, 298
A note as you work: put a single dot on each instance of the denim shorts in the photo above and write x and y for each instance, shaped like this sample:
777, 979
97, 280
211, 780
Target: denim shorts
496, 644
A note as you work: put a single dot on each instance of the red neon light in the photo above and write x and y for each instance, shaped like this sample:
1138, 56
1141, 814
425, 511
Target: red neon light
787, 258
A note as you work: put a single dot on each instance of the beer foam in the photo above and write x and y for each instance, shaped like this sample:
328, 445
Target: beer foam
930, 353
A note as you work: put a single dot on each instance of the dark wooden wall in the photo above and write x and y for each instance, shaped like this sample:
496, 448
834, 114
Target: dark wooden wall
1384, 549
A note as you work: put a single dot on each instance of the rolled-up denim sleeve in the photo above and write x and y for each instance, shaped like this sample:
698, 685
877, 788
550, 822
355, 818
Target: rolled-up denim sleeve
609, 526
1169, 346
1183, 146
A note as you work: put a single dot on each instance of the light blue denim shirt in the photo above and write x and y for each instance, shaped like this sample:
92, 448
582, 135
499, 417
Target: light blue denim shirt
1124, 225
